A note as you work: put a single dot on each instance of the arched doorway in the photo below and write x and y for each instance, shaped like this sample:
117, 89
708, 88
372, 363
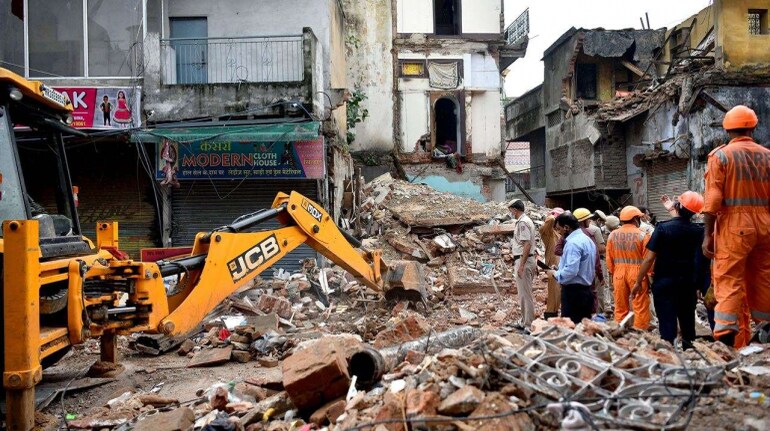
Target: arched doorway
447, 115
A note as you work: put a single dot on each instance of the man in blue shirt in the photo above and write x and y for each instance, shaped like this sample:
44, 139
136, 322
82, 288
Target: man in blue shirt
576, 270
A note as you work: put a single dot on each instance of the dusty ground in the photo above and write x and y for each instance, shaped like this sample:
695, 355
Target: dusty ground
730, 407
143, 373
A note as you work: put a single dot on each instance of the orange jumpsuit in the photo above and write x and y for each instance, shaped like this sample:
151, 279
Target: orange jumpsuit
738, 193
625, 252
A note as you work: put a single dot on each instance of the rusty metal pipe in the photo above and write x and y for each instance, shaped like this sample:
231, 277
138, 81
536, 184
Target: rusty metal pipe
368, 365
430, 344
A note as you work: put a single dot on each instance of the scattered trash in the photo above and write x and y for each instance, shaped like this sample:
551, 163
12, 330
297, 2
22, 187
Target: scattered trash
751, 349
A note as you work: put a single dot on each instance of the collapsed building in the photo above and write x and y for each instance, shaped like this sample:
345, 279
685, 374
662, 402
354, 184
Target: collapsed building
427, 74
626, 116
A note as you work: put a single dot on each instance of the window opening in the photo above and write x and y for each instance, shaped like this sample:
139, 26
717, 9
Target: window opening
758, 22
447, 17
586, 81
447, 126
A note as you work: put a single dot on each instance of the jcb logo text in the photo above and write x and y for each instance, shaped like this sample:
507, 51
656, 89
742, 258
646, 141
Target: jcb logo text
253, 258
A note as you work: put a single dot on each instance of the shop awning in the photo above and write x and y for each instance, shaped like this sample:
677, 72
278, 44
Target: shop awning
280, 132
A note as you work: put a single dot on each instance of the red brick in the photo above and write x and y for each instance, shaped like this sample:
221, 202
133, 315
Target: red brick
316, 375
421, 403
390, 411
274, 304
241, 356
411, 327
328, 413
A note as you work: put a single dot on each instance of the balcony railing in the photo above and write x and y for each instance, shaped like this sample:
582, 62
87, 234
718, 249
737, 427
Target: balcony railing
221, 60
518, 29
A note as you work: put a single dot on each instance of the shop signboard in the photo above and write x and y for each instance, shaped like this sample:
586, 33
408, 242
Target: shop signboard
224, 159
104, 107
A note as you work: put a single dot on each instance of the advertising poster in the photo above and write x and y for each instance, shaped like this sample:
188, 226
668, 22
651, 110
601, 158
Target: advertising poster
239, 160
104, 107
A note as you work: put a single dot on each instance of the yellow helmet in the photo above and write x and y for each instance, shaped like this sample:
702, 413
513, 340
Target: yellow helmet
582, 214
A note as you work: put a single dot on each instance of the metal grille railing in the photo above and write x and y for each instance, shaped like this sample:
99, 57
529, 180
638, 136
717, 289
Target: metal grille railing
528, 178
755, 22
220, 60
518, 29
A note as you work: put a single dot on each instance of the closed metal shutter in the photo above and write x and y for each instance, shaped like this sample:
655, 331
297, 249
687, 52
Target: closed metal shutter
665, 177
200, 206
111, 188
129, 203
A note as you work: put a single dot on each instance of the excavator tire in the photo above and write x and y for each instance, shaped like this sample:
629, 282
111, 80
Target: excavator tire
53, 298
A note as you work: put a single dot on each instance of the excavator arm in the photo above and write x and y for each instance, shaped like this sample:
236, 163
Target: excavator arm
225, 259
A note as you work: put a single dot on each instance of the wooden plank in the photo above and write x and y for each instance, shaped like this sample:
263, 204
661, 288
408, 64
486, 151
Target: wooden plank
211, 357
632, 67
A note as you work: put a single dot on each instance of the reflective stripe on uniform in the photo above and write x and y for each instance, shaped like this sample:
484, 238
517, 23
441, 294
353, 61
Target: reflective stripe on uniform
722, 327
721, 156
761, 315
745, 202
727, 317
621, 260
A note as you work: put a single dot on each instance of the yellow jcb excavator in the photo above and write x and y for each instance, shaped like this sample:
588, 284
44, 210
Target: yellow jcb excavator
59, 288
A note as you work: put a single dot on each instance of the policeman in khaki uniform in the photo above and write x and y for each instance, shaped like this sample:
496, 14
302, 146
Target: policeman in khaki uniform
524, 263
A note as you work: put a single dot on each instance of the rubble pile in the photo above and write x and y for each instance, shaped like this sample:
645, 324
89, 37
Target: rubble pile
465, 244
318, 350
600, 374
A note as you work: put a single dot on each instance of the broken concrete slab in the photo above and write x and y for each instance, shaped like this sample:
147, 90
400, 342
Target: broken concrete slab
211, 357
180, 419
461, 402
497, 229
464, 285
270, 378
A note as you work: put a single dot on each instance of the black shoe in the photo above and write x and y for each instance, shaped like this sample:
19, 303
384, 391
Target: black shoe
728, 339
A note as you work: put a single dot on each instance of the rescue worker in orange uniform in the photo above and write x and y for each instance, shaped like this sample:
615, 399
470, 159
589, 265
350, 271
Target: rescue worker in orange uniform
737, 219
626, 248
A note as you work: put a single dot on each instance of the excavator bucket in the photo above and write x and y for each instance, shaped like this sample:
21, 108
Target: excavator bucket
405, 280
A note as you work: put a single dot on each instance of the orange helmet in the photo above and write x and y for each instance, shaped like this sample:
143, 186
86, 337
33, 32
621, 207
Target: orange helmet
740, 117
628, 213
692, 201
